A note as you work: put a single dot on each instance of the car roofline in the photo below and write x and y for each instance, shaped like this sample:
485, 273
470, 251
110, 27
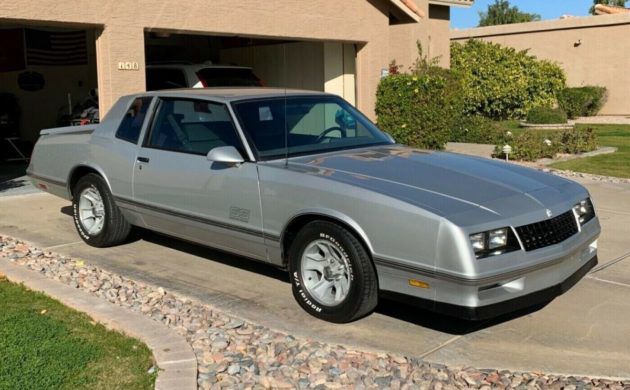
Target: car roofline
230, 94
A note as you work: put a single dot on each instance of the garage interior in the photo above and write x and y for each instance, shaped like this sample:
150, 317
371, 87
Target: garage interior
312, 65
48, 78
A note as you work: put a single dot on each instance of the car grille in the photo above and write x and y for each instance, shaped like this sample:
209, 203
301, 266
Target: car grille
549, 232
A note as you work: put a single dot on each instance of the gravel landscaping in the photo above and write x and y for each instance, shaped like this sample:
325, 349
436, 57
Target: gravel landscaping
233, 353
573, 174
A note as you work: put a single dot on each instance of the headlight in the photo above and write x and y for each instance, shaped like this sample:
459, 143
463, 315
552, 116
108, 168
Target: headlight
494, 242
584, 211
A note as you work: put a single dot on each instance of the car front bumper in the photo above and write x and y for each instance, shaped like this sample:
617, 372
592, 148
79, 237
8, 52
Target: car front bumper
500, 308
551, 272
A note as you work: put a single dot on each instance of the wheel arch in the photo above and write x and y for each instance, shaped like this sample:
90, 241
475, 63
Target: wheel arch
300, 220
81, 170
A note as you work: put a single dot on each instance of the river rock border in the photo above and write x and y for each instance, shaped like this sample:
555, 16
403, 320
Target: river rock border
588, 176
232, 353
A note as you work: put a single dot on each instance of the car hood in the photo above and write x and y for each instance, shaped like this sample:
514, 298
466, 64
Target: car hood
445, 183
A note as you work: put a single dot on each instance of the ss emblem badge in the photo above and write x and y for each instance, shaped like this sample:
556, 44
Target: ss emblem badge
549, 213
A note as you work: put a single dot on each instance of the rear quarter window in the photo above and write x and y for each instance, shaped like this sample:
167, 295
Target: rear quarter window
131, 124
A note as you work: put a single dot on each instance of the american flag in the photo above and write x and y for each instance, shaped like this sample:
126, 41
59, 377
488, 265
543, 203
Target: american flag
55, 47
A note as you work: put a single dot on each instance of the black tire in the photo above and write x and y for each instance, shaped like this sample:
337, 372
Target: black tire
362, 296
115, 228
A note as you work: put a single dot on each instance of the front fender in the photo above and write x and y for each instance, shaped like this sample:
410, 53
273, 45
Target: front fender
331, 214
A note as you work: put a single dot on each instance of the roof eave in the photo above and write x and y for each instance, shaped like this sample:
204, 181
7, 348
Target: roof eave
404, 6
454, 3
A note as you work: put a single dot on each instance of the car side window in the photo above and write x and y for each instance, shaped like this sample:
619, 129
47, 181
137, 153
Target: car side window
129, 128
192, 126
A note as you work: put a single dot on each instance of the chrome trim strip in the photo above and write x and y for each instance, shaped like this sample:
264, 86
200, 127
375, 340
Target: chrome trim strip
223, 225
467, 281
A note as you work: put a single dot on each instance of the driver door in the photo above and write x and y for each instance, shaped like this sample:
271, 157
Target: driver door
183, 194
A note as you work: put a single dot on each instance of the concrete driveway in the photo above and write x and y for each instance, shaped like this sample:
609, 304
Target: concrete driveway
584, 332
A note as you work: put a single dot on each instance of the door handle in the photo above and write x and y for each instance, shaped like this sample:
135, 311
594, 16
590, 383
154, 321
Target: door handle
143, 159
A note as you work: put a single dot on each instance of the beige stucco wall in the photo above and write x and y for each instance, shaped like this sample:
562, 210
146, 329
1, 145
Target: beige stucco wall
432, 32
592, 50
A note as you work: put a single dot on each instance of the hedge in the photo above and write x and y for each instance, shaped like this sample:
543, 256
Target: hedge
582, 101
532, 145
478, 130
503, 83
546, 115
420, 108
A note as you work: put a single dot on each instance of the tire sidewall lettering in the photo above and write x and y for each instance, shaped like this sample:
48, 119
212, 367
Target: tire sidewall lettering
341, 250
77, 222
75, 208
304, 296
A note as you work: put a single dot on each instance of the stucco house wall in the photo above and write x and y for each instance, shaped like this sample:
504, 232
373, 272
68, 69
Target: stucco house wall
592, 50
121, 26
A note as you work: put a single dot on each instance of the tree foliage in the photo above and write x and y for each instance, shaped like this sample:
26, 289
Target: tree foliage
501, 13
503, 83
616, 3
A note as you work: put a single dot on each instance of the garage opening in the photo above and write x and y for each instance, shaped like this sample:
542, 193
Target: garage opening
47, 79
186, 60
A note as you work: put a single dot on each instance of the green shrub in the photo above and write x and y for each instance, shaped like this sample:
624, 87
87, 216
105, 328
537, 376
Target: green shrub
574, 101
582, 101
476, 129
503, 83
600, 95
419, 109
546, 115
578, 141
532, 145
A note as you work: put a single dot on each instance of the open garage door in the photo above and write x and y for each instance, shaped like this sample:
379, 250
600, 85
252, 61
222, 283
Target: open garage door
47, 79
175, 60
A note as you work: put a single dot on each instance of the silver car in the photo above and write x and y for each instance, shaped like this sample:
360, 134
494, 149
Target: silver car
304, 181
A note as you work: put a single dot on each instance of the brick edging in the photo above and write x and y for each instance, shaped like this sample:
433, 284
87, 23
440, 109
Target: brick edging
173, 355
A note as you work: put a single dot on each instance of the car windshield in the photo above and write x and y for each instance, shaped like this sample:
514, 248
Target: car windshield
314, 124
228, 77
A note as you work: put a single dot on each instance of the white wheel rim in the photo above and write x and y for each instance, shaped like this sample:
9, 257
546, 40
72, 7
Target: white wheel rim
325, 272
91, 211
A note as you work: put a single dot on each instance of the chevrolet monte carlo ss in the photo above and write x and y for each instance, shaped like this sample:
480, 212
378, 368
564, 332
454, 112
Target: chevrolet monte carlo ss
304, 181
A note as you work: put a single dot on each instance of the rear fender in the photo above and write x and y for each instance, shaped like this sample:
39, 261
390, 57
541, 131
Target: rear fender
85, 166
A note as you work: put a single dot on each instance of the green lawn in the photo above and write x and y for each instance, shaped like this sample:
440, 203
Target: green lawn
45, 345
613, 164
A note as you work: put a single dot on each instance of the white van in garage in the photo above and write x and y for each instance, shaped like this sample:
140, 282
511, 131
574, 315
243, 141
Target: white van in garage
183, 75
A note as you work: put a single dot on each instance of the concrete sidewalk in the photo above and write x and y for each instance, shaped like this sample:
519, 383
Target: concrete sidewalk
586, 331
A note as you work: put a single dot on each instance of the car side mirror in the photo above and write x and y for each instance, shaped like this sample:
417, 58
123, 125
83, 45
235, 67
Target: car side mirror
226, 155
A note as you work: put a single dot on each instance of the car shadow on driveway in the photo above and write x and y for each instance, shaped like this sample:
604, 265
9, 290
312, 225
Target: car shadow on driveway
398, 310
387, 307
444, 323
212, 254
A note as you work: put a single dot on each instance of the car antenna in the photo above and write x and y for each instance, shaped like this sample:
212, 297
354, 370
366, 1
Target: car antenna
286, 129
